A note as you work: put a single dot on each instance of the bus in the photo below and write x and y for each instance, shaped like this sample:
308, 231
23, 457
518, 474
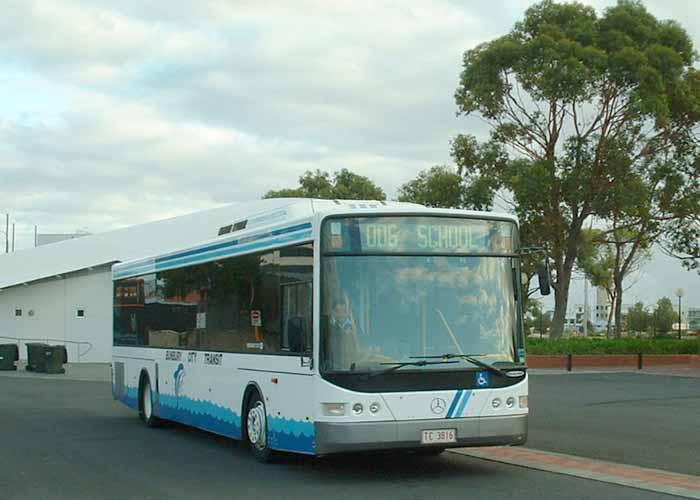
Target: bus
332, 326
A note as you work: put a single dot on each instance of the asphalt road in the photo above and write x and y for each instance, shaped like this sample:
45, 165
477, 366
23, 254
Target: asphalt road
63, 439
645, 420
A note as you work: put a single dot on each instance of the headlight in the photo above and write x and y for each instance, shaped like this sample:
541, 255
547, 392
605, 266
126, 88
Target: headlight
496, 403
333, 409
523, 401
374, 407
357, 408
510, 402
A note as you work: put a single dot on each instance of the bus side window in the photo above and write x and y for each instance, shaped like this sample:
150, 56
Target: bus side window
296, 317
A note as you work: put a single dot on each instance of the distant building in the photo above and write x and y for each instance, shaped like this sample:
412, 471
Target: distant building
602, 309
693, 318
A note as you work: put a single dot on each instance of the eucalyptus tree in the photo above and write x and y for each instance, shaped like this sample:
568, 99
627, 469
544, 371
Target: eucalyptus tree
581, 105
344, 185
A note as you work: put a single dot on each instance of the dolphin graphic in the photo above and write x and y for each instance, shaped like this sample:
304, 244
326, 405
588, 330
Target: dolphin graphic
179, 376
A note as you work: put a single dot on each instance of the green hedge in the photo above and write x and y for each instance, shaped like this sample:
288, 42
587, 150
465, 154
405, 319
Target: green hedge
613, 346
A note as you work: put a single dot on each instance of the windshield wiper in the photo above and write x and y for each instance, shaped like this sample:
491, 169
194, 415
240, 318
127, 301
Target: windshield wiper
401, 364
468, 357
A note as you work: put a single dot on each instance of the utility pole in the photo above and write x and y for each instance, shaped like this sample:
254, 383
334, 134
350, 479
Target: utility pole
13, 237
679, 294
7, 233
585, 306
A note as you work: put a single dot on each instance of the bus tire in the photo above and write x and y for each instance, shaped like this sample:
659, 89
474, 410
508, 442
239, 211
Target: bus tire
146, 403
256, 433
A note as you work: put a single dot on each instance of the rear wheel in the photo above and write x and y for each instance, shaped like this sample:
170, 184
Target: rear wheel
146, 404
256, 428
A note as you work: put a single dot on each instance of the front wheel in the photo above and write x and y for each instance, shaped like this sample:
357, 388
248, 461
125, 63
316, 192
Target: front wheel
256, 429
146, 405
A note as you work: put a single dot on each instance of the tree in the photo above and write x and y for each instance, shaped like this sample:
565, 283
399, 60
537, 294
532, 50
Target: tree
608, 258
344, 185
582, 106
536, 321
682, 241
665, 315
638, 319
440, 187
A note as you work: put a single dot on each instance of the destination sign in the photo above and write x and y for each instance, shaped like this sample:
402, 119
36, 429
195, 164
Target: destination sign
418, 235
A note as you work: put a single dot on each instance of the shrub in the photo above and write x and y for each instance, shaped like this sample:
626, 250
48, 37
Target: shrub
613, 346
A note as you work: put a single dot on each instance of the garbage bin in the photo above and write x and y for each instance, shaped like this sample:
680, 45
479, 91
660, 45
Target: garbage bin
55, 356
36, 357
9, 353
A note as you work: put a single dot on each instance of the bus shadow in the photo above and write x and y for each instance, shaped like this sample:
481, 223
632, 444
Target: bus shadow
350, 467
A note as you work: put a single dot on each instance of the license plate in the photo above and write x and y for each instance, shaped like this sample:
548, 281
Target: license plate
436, 436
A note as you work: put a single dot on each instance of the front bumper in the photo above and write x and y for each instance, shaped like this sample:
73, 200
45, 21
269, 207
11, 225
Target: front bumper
332, 437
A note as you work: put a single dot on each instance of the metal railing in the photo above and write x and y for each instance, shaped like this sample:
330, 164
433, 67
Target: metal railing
77, 343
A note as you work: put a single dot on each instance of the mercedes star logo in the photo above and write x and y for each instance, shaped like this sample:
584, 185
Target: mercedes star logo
438, 405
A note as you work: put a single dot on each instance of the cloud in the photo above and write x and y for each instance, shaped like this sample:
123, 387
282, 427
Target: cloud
116, 113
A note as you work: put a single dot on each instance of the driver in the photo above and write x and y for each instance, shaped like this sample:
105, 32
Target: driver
342, 336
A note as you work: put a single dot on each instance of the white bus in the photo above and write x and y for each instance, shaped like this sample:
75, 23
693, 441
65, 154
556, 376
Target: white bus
331, 326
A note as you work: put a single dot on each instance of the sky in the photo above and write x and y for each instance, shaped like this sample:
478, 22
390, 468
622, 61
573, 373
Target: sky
119, 113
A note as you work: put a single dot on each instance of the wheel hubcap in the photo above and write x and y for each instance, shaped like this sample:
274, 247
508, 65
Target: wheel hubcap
257, 432
147, 400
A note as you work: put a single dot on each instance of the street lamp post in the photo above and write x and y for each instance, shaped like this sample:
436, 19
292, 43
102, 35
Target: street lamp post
541, 324
679, 294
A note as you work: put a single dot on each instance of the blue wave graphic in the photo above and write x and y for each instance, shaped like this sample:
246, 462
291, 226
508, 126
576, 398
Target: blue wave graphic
291, 435
130, 397
284, 434
201, 413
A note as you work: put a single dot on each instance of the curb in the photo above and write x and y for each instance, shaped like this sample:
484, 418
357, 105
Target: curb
642, 478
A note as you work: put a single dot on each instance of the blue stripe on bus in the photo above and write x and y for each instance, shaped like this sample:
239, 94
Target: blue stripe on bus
463, 404
241, 241
232, 251
454, 403
137, 270
129, 268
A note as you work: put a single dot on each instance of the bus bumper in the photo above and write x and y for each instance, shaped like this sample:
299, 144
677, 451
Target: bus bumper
337, 437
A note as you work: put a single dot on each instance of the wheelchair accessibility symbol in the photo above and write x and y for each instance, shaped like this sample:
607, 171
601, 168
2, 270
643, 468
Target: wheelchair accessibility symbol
483, 379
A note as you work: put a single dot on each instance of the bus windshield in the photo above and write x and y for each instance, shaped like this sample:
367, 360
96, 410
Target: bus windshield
395, 288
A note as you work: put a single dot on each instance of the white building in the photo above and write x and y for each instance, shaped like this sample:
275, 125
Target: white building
62, 292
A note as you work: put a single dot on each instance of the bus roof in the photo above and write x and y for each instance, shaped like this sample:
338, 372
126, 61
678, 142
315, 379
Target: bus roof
283, 221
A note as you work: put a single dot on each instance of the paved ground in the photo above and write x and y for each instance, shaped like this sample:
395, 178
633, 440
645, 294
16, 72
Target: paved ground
68, 439
646, 420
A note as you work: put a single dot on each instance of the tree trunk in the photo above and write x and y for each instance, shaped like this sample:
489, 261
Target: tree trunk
611, 313
564, 271
561, 298
618, 307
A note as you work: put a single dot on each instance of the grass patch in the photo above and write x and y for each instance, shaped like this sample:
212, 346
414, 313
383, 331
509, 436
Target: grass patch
613, 346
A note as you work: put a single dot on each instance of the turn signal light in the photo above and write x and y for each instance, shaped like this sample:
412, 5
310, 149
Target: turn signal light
523, 401
333, 409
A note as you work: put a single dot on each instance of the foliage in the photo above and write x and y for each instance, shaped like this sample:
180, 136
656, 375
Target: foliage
536, 321
664, 316
592, 116
440, 187
683, 241
608, 257
612, 346
638, 319
344, 185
